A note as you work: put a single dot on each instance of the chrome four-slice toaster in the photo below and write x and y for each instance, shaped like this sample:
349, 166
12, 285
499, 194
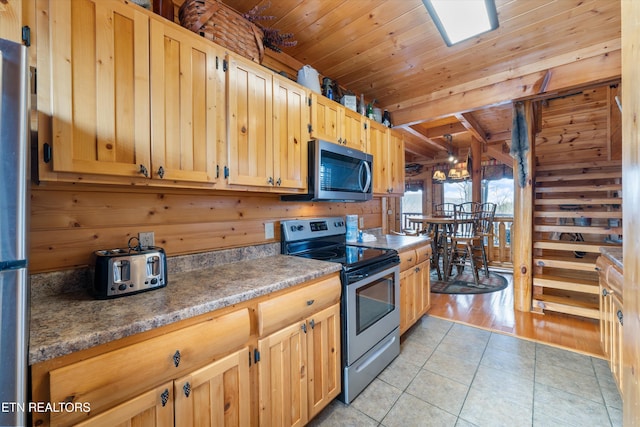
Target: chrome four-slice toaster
120, 272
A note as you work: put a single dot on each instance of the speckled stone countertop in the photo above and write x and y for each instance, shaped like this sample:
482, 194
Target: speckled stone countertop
393, 241
613, 253
67, 322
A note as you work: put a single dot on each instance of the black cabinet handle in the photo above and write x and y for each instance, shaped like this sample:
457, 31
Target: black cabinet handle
176, 358
164, 397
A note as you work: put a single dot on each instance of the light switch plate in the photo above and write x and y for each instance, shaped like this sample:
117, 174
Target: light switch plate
361, 220
268, 230
146, 239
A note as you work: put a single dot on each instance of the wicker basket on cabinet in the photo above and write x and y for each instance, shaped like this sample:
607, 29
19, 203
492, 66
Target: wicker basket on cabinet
224, 26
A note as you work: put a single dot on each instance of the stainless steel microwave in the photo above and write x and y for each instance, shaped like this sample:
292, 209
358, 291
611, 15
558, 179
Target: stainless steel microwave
337, 174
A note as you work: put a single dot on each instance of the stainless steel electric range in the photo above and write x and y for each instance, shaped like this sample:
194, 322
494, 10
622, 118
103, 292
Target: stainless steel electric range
370, 302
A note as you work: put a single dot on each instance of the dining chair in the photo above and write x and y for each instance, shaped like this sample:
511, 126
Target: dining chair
441, 243
464, 241
468, 207
484, 228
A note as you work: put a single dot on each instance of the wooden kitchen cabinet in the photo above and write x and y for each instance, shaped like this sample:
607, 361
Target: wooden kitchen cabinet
187, 104
290, 134
327, 118
268, 134
415, 290
333, 122
610, 280
128, 95
356, 130
93, 86
299, 367
152, 408
121, 382
387, 148
217, 394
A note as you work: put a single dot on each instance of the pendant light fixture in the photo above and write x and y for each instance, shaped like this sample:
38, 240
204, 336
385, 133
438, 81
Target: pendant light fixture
454, 174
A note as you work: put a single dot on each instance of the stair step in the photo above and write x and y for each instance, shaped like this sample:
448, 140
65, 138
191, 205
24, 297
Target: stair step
579, 188
563, 245
580, 264
567, 284
566, 305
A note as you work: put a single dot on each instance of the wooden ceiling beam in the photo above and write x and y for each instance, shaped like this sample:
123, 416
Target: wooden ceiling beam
472, 125
425, 139
478, 94
495, 151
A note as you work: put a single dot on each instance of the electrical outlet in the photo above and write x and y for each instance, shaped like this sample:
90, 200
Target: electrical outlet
268, 230
146, 239
361, 220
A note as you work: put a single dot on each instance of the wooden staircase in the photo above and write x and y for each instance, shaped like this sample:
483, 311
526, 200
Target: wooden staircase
578, 209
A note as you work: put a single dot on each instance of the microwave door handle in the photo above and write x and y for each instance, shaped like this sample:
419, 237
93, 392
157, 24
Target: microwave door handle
367, 184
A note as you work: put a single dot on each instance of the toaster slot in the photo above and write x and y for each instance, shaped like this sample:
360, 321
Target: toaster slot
121, 271
153, 266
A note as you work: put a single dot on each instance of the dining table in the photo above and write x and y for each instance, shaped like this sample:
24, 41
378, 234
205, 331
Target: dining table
436, 226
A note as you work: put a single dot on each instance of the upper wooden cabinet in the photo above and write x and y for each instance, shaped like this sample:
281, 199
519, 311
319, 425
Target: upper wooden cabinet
290, 134
327, 118
333, 122
187, 96
129, 95
355, 132
268, 117
387, 148
93, 67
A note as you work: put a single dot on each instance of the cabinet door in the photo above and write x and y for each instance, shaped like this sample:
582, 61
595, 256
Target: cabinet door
407, 303
396, 166
153, 408
424, 283
95, 73
378, 148
616, 340
216, 395
327, 117
282, 377
323, 354
290, 134
356, 130
187, 111
250, 115
606, 317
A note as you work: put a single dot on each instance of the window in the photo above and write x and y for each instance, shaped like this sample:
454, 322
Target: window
411, 205
500, 192
457, 192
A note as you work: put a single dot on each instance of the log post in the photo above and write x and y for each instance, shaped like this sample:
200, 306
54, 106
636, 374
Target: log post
522, 233
476, 172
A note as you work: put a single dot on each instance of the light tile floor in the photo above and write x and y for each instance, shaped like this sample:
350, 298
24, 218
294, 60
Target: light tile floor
449, 374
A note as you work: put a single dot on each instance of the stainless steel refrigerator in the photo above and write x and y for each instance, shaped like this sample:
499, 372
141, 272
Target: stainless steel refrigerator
14, 277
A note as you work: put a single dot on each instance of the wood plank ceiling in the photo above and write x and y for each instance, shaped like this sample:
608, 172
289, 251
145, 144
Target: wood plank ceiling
390, 51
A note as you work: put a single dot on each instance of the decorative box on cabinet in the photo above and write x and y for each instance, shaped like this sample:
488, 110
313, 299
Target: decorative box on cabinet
415, 290
299, 353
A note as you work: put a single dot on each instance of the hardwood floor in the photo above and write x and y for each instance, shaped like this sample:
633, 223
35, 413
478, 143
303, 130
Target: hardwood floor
495, 312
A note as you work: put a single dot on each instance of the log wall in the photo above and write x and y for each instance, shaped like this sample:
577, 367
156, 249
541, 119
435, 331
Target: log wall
69, 221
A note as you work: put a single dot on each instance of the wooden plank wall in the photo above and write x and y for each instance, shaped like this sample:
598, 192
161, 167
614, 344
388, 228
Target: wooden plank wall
69, 222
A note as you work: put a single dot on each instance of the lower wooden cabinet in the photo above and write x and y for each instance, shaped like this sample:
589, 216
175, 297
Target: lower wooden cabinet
152, 408
215, 395
279, 366
415, 292
299, 365
611, 316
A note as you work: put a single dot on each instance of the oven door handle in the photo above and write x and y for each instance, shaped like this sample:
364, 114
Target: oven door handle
365, 188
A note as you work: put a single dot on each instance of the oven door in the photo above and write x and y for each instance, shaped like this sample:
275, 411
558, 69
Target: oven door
372, 311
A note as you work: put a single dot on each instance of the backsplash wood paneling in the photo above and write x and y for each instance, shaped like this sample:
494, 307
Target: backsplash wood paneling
69, 222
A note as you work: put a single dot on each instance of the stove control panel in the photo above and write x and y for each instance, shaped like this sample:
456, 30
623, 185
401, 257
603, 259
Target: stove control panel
299, 229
